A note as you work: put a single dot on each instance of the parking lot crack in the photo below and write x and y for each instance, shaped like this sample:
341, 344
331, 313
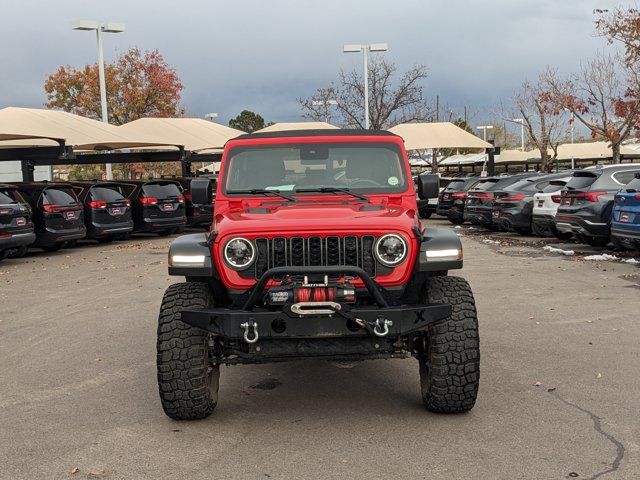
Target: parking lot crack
597, 426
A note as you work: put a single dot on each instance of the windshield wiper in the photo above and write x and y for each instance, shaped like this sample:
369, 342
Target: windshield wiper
264, 191
332, 190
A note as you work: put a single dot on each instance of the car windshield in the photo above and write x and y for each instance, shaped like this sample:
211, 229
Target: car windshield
160, 190
361, 167
58, 196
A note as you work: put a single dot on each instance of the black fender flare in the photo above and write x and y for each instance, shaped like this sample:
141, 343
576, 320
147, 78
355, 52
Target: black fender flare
190, 256
440, 250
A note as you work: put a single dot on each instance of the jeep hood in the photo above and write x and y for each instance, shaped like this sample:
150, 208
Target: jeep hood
315, 217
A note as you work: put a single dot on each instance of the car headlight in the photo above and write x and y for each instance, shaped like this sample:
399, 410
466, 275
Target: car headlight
239, 253
390, 249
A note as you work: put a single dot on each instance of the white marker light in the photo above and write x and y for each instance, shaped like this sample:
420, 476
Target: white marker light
450, 254
187, 259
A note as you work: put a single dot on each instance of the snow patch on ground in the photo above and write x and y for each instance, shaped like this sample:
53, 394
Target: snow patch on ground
558, 250
632, 261
457, 226
493, 242
604, 256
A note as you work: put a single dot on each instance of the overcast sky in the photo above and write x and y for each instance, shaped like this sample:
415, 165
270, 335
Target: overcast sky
263, 54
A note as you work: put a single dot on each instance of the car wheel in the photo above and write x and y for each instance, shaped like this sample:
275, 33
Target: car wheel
450, 358
52, 248
187, 381
622, 243
522, 230
540, 231
594, 241
424, 213
456, 221
17, 252
561, 235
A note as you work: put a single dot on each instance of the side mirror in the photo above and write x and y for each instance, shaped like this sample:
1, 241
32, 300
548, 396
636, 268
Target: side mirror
428, 186
201, 191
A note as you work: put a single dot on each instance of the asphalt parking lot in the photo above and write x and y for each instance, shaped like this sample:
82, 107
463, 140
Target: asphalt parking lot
559, 391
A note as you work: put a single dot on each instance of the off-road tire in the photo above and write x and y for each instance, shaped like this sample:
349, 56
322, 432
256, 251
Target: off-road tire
450, 366
187, 382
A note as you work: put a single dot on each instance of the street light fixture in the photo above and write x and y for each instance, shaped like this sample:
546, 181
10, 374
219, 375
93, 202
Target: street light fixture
325, 104
484, 129
211, 116
521, 122
365, 49
108, 27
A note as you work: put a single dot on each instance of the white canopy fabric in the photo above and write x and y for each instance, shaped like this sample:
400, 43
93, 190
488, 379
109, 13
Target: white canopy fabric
418, 136
24, 127
468, 159
518, 156
195, 134
281, 127
590, 151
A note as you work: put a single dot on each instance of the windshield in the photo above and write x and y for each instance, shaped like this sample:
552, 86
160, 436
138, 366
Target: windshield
357, 167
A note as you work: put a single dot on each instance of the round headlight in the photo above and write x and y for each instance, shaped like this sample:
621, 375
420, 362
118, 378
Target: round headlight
390, 249
239, 253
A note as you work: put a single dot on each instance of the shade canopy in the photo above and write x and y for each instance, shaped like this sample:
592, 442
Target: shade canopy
468, 159
590, 151
281, 127
25, 127
418, 136
195, 134
518, 156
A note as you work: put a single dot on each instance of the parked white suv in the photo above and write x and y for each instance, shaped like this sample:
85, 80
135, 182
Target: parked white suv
545, 206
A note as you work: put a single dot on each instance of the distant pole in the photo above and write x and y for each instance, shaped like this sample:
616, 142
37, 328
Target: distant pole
466, 122
437, 108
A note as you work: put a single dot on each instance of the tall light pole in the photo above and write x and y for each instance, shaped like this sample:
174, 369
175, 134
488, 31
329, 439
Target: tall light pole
100, 28
484, 129
521, 122
325, 103
365, 49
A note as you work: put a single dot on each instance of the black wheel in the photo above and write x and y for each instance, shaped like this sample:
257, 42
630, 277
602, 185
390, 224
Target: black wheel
594, 241
424, 213
52, 248
187, 381
622, 243
561, 235
17, 252
540, 231
522, 230
122, 236
456, 221
450, 360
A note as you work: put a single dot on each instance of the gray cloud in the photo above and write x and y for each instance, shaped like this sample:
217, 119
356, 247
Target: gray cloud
262, 55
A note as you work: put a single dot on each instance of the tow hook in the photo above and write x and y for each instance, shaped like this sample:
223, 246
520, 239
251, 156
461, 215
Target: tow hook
248, 327
382, 329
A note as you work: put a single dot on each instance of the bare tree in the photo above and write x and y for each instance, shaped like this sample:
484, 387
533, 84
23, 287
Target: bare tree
603, 96
621, 25
390, 102
544, 126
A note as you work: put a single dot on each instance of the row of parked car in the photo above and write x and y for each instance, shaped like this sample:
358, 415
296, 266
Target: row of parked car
595, 205
51, 215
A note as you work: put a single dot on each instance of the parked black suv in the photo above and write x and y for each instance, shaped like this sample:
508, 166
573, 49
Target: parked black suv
452, 199
198, 215
478, 207
16, 227
107, 211
157, 206
513, 204
587, 202
57, 214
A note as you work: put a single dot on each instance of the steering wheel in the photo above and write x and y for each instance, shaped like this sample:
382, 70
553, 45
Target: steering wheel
364, 182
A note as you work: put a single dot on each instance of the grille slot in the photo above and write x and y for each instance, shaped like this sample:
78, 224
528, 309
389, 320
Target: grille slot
315, 251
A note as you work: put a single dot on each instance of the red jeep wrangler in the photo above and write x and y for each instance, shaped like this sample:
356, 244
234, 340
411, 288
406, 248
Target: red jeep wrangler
316, 250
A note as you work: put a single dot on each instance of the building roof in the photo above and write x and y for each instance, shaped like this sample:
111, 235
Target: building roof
418, 136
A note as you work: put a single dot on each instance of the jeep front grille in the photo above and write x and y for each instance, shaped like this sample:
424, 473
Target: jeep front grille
315, 251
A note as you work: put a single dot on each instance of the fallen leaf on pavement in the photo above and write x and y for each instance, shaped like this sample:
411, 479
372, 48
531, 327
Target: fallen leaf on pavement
75, 470
551, 389
97, 472
537, 384
599, 375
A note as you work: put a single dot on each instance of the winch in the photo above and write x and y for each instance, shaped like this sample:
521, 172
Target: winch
308, 290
